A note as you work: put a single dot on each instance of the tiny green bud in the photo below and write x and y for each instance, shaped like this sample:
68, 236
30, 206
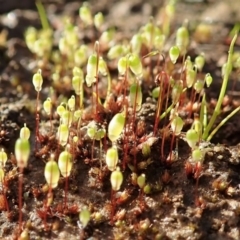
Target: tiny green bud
77, 115
3, 158
60, 110
192, 138
136, 43
77, 84
77, 72
65, 163
22, 152
24, 235
147, 189
52, 173
67, 118
112, 158
92, 65
197, 155
155, 92
122, 65
91, 129
38, 80
62, 134
107, 36
63, 46
182, 39
75, 139
188, 63
71, 103
25, 132
174, 54
190, 77
85, 14
115, 51
197, 126
199, 62
98, 20
116, 126
80, 55
84, 217
141, 180
148, 32
31, 37
100, 134
91, 70
208, 79
47, 106
198, 85
135, 65
116, 179
159, 41
103, 67
177, 125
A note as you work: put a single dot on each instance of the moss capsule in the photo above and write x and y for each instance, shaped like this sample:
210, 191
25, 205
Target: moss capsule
116, 179
52, 173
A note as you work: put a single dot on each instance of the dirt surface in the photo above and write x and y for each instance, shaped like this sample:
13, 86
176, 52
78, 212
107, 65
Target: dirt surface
180, 205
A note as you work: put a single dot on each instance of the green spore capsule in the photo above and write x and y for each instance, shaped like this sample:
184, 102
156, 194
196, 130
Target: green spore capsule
52, 173
182, 39
38, 80
47, 106
112, 158
84, 217
177, 125
116, 179
192, 137
22, 152
65, 163
141, 180
116, 126
25, 132
62, 134
174, 54
135, 65
122, 65
91, 70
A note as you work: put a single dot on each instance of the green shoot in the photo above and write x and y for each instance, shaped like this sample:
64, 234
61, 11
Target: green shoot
223, 89
42, 15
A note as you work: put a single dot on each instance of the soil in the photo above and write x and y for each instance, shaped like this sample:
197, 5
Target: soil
180, 205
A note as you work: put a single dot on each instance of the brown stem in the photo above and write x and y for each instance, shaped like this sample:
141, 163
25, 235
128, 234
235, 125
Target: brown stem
20, 183
66, 192
113, 203
37, 123
133, 128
